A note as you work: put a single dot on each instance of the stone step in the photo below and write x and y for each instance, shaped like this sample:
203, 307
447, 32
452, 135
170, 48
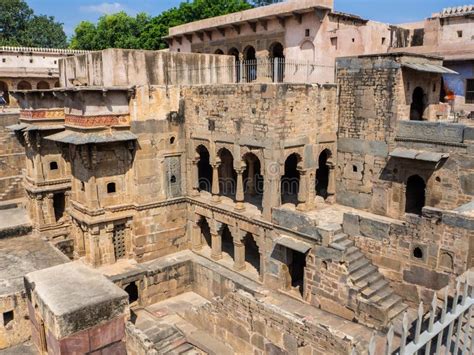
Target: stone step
357, 265
380, 284
352, 258
346, 244
390, 302
396, 312
370, 280
352, 250
381, 295
339, 238
364, 272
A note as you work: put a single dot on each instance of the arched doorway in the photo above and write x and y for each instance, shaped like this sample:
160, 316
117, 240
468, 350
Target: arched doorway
204, 169
206, 239
290, 182
415, 195
253, 180
219, 51
4, 89
59, 206
227, 174
322, 174
235, 53
250, 64
24, 85
277, 57
417, 107
227, 242
42, 85
252, 254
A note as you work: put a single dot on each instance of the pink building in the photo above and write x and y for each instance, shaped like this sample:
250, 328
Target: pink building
301, 31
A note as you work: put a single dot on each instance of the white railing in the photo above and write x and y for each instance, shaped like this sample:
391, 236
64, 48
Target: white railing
41, 50
449, 331
261, 70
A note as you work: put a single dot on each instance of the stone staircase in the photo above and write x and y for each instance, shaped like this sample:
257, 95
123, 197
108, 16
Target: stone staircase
169, 340
13, 190
374, 295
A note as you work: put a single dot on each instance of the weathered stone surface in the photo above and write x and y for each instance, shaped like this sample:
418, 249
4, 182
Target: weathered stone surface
374, 229
351, 224
424, 277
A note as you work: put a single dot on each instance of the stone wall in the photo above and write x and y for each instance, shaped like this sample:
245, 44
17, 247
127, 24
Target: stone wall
254, 327
121, 67
418, 256
374, 108
12, 160
14, 323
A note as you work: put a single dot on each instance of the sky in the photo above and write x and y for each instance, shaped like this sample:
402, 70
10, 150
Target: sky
71, 12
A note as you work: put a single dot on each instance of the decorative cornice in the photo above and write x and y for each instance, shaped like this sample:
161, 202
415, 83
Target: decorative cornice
97, 121
42, 114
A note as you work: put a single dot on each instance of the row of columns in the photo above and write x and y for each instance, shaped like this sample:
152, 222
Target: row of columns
303, 192
216, 243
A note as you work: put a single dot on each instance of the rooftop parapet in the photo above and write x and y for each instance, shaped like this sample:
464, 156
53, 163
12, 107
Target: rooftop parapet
54, 51
122, 67
280, 10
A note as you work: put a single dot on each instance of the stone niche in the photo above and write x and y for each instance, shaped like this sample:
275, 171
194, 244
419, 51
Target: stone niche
75, 310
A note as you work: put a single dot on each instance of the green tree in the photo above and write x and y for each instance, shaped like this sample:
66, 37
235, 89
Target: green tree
258, 3
144, 32
44, 31
20, 27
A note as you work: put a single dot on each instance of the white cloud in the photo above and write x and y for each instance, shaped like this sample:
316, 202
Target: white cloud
104, 8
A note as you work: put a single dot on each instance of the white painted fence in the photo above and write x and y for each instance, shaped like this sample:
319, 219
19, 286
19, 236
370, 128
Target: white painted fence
449, 331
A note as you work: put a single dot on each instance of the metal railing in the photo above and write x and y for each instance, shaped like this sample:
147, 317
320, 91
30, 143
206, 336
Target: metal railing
262, 70
449, 331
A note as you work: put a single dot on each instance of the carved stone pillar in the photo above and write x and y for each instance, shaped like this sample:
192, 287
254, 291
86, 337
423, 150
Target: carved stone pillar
50, 207
215, 182
303, 190
196, 237
216, 242
195, 176
331, 181
239, 255
39, 210
251, 177
239, 195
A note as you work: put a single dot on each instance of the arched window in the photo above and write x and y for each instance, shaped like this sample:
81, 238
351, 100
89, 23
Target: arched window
278, 62
206, 237
417, 107
235, 53
111, 188
204, 169
253, 180
24, 85
42, 85
250, 67
218, 51
322, 174
415, 195
290, 182
227, 174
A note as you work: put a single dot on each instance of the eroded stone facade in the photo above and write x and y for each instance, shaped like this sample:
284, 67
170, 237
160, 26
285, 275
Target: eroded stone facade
295, 218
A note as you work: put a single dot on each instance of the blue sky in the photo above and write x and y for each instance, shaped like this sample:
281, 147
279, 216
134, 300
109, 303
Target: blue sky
71, 12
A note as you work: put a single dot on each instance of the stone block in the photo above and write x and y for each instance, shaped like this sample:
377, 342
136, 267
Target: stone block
351, 224
258, 341
354, 199
374, 229
424, 277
